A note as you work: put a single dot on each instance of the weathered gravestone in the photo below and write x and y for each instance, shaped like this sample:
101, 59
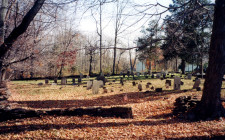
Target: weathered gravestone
46, 81
197, 83
89, 84
101, 83
189, 76
95, 87
177, 83
63, 81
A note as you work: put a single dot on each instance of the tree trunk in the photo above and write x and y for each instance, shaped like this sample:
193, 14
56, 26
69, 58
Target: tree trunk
183, 66
90, 65
210, 106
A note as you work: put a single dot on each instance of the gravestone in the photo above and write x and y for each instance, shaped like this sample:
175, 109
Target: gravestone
138, 74
46, 81
128, 73
73, 81
79, 81
168, 82
89, 84
121, 81
133, 83
88, 77
197, 83
139, 87
95, 87
63, 81
164, 75
177, 83
158, 75
55, 80
152, 76
189, 76
81, 75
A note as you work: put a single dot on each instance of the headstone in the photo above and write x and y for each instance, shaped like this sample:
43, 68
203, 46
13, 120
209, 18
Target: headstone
55, 80
81, 75
79, 81
108, 75
164, 75
158, 75
46, 81
95, 87
63, 81
128, 73
177, 83
133, 83
139, 87
153, 76
88, 77
168, 82
89, 84
138, 74
121, 81
73, 81
197, 83
189, 76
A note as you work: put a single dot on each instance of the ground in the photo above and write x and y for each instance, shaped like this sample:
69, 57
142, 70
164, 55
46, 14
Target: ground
152, 113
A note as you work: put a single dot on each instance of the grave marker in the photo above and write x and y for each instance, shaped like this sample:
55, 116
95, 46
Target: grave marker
177, 83
89, 84
197, 83
63, 81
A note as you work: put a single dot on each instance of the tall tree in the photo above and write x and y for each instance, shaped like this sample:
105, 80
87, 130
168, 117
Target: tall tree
211, 106
17, 31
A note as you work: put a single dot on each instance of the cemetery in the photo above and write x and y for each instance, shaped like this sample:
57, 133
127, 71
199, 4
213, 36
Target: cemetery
127, 104
112, 69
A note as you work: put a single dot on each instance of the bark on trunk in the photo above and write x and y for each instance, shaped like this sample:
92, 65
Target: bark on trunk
183, 66
210, 106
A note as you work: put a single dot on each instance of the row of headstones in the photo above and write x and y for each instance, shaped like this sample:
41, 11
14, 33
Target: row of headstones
64, 81
177, 84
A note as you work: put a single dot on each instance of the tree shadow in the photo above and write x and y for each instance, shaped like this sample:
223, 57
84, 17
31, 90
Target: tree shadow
118, 99
32, 127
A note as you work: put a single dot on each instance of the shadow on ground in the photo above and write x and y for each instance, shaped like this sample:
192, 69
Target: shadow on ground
118, 99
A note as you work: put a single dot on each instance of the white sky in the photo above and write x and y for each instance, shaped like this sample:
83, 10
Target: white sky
86, 23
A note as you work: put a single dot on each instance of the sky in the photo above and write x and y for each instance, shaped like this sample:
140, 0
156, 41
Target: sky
87, 25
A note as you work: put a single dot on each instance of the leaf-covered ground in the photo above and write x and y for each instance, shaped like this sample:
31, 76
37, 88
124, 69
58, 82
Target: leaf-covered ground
152, 114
